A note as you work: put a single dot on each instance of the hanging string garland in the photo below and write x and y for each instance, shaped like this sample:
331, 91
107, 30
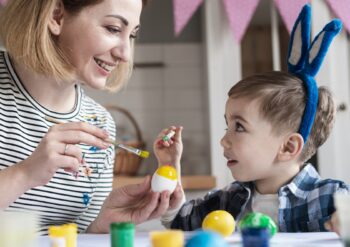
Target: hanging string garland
240, 12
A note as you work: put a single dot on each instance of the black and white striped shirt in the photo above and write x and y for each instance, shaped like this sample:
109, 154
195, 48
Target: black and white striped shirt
22, 126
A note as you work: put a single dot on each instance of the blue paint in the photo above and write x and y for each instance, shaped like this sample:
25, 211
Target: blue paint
255, 237
94, 149
86, 198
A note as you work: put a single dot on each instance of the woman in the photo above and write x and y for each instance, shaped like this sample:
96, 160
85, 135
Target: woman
64, 171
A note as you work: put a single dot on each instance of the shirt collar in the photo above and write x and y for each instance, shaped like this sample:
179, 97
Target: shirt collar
303, 182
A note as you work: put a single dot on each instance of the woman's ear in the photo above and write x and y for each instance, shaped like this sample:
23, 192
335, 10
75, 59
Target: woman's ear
56, 19
291, 147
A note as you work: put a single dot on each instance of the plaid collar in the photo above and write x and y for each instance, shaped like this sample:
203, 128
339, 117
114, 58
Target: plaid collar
302, 183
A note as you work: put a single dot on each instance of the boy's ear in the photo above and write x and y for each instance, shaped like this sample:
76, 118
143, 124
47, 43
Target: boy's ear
291, 147
56, 20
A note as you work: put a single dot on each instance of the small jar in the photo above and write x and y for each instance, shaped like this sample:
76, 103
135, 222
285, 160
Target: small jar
122, 234
57, 236
71, 234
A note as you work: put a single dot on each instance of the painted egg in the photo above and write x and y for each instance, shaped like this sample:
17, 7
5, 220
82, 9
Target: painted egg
165, 178
168, 238
258, 220
219, 221
206, 239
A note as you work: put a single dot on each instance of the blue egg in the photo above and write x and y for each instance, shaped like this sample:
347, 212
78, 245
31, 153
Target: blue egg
206, 239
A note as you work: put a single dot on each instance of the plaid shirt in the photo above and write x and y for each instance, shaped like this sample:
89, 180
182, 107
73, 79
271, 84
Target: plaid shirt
305, 204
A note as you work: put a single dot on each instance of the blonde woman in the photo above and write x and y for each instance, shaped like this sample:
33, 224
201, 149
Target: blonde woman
64, 171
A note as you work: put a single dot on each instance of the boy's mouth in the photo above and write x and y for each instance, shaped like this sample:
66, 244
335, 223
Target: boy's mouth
231, 162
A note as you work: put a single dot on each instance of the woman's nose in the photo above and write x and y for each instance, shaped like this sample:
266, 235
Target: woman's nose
122, 51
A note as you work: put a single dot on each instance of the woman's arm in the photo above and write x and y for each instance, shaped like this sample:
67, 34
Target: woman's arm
56, 150
13, 183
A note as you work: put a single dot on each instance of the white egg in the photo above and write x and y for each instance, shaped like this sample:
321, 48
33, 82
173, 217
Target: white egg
160, 183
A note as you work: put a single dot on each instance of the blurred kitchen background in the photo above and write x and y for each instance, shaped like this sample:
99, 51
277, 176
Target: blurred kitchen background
184, 79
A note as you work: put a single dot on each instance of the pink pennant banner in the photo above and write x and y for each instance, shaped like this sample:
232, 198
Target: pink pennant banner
183, 11
289, 10
239, 14
3, 2
341, 9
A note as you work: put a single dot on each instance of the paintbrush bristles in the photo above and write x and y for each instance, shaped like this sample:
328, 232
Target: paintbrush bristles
144, 154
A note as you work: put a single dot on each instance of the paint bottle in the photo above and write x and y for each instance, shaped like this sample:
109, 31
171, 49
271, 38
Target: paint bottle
57, 236
71, 234
64, 235
122, 234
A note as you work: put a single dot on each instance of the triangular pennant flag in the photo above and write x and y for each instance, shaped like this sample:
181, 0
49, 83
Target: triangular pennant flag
341, 9
289, 11
239, 14
3, 2
183, 11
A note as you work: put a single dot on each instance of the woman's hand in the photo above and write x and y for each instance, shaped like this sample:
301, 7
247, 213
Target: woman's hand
169, 152
132, 203
57, 150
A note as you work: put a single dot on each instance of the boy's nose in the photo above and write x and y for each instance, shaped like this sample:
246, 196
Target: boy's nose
224, 143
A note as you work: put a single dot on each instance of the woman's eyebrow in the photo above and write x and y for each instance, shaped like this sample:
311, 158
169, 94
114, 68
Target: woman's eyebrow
125, 21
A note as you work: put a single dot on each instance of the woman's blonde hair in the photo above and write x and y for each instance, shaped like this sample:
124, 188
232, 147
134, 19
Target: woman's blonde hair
282, 100
26, 36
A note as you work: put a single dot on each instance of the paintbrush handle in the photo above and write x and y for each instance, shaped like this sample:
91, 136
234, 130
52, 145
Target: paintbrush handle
128, 148
125, 147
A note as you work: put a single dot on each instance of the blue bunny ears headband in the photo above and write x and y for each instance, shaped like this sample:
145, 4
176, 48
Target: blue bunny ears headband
304, 60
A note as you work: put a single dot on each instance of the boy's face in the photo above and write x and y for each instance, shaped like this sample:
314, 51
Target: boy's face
249, 144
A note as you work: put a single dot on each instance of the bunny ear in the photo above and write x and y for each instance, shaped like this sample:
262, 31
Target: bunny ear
320, 45
299, 41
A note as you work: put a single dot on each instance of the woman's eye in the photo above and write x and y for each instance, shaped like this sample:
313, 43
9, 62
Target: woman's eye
113, 30
239, 127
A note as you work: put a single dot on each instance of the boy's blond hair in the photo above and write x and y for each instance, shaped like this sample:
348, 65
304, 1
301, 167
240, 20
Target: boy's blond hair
282, 103
26, 36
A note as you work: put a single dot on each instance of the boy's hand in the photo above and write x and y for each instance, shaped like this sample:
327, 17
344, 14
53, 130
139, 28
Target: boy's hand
169, 152
333, 224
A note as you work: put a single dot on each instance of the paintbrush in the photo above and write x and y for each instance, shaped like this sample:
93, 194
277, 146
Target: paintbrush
141, 153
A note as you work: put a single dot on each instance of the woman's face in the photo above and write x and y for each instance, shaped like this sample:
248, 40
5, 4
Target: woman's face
99, 38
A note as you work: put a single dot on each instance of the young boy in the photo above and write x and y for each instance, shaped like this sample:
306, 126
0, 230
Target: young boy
275, 123
266, 156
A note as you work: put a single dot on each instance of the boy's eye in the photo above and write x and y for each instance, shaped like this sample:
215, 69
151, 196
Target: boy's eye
133, 36
239, 127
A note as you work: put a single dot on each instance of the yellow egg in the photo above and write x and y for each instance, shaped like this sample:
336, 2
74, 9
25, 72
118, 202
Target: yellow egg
165, 178
168, 238
219, 221
167, 171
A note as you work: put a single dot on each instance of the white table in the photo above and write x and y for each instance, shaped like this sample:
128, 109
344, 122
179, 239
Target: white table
280, 239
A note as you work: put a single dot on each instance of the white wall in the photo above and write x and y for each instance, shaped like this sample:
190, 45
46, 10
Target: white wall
333, 155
